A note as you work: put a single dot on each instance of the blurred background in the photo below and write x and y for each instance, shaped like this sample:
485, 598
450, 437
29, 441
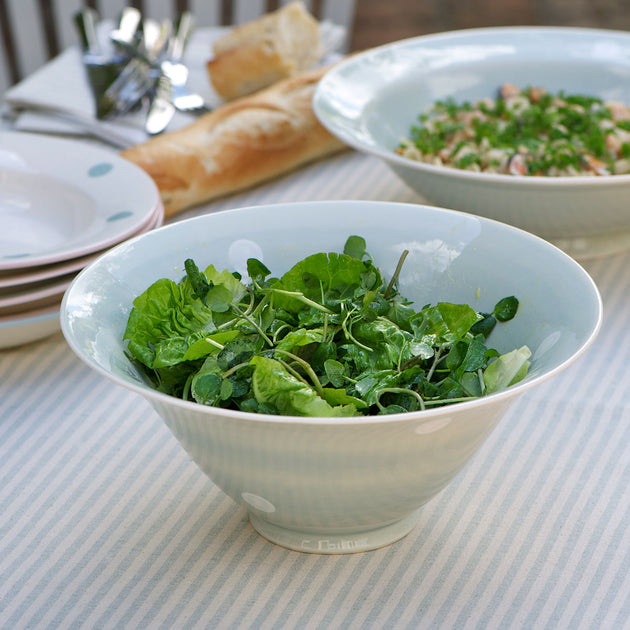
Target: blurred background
381, 21
29, 37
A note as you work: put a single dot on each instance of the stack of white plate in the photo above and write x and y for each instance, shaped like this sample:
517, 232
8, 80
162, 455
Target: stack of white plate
62, 204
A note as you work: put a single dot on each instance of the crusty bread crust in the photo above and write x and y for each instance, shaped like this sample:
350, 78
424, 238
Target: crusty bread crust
239, 145
256, 54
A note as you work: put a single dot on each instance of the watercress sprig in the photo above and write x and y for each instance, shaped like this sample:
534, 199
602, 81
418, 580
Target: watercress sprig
330, 337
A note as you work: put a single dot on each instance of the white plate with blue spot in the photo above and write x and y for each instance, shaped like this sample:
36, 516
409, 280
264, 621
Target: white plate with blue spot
13, 279
29, 309
60, 199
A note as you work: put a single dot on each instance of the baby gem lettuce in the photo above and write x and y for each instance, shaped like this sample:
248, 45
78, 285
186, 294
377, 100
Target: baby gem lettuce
328, 338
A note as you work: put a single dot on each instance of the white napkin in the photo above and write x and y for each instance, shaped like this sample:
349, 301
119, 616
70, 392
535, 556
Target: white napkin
57, 98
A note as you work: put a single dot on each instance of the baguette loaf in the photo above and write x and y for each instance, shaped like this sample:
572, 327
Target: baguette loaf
257, 54
238, 145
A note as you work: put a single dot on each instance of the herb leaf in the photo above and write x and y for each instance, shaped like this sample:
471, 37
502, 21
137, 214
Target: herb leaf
505, 309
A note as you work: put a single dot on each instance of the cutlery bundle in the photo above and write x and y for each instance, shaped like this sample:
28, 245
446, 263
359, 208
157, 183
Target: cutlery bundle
132, 76
143, 69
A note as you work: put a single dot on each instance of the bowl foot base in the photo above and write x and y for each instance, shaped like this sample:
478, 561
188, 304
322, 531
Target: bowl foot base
597, 246
333, 543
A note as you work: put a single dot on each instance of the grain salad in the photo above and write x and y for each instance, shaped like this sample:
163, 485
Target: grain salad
524, 131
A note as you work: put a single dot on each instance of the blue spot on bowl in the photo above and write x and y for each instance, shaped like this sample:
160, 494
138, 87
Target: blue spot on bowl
23, 255
120, 215
100, 169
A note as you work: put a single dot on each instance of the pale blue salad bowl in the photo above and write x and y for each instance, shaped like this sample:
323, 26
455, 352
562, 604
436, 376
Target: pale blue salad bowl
338, 485
371, 99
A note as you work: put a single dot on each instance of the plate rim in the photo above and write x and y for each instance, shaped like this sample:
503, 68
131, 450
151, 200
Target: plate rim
100, 155
24, 276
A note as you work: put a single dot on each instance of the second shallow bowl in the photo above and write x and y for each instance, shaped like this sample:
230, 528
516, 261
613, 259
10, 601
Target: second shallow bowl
371, 99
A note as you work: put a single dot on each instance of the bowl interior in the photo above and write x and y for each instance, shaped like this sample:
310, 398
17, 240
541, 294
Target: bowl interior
453, 257
373, 98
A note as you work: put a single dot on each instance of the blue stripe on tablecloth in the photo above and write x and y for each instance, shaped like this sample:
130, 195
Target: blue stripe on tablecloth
330, 595
523, 452
262, 560
80, 479
90, 548
604, 556
286, 601
149, 598
315, 571
274, 577
20, 404
617, 595
37, 454
31, 447
562, 449
582, 554
236, 546
158, 510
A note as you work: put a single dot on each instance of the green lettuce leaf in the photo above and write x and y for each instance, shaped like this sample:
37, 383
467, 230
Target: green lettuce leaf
507, 369
274, 385
165, 320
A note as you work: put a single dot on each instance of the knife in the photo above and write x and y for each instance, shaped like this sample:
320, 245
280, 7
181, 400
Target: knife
127, 33
137, 79
86, 21
162, 110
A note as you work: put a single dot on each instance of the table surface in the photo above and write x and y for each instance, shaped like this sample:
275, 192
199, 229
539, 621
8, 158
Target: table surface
106, 523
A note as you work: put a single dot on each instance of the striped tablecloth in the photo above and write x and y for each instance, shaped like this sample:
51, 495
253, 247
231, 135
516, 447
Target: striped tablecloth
106, 523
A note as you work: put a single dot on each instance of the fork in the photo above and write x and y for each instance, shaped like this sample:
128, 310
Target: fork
176, 71
182, 97
138, 75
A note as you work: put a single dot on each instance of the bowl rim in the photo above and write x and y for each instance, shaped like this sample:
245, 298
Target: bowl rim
331, 123
420, 416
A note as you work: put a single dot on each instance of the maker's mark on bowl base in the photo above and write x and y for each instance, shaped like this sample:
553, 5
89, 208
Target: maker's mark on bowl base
332, 543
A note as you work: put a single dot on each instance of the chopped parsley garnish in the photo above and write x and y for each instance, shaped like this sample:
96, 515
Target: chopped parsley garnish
525, 132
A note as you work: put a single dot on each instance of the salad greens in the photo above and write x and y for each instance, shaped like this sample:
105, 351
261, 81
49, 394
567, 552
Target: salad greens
328, 338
